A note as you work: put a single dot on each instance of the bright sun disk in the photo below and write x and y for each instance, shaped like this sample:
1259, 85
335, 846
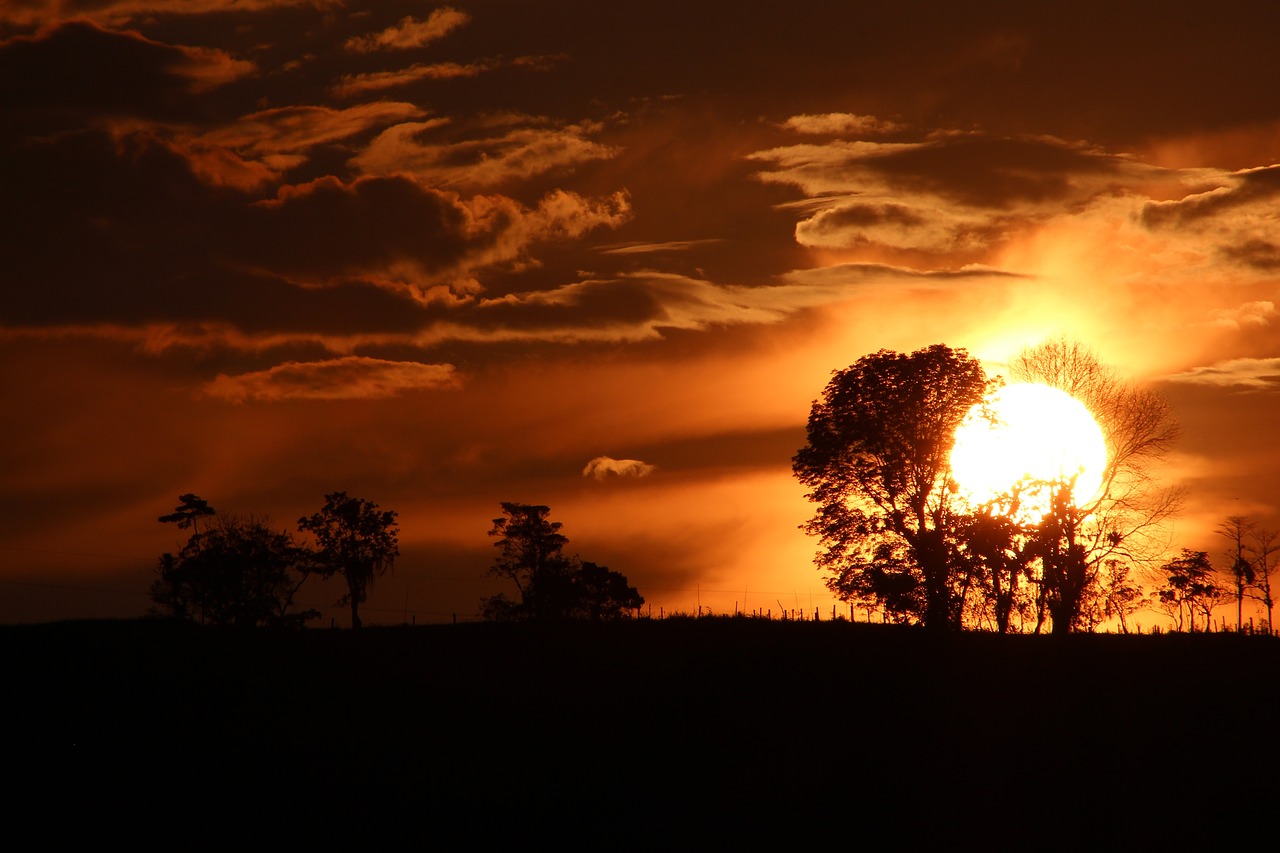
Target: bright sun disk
1040, 436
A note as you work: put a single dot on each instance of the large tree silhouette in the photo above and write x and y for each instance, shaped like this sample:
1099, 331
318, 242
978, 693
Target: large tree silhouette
877, 465
551, 585
356, 540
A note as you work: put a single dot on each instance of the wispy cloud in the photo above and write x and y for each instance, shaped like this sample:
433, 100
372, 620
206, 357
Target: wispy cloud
490, 160
1247, 374
410, 32
351, 378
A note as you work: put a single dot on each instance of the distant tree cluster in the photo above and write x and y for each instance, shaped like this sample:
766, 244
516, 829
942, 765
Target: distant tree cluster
1191, 587
896, 537
241, 572
551, 585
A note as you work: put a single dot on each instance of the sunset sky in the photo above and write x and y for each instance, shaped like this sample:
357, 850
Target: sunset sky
597, 256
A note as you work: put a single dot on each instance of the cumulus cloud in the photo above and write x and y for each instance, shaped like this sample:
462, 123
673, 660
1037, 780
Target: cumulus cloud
516, 154
410, 32
1246, 374
840, 124
353, 377
602, 466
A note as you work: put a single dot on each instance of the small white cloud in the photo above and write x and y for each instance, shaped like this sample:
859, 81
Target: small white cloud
602, 466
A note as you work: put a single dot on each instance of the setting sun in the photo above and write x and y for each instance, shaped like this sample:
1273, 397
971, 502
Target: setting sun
1029, 437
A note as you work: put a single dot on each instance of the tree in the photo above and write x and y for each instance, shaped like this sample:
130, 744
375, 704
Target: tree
1267, 549
1124, 518
238, 573
877, 465
1189, 588
189, 511
356, 540
551, 585
1237, 529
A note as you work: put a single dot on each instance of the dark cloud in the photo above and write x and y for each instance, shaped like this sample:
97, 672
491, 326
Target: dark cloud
1263, 255
77, 70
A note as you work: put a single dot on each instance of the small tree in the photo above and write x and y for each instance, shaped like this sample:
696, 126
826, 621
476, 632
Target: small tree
238, 573
189, 511
1236, 530
551, 585
1189, 589
356, 540
1268, 550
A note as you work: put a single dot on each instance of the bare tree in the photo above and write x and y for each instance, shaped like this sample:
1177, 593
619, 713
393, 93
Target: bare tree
1125, 519
1266, 545
1237, 529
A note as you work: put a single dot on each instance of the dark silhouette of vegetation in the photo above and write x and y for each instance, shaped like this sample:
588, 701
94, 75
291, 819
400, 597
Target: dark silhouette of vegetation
238, 572
551, 585
877, 464
1189, 589
1253, 555
354, 539
896, 536
189, 511
1079, 546
1237, 529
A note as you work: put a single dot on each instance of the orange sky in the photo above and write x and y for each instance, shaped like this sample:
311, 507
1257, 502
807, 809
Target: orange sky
442, 257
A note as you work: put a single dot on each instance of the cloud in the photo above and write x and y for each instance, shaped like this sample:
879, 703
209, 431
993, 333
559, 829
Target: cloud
950, 192
516, 154
124, 11
644, 305
350, 378
1251, 315
840, 124
1248, 374
79, 65
393, 228
1235, 218
351, 85
602, 466
258, 148
654, 248
410, 32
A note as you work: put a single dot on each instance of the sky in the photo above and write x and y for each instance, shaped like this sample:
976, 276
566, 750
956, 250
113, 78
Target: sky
601, 257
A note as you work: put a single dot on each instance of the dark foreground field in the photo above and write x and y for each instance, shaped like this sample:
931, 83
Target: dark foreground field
650, 734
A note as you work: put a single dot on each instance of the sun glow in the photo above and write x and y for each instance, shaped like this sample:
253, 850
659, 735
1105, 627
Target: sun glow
1027, 439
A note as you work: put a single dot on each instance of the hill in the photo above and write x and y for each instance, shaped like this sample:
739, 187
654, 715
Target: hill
630, 730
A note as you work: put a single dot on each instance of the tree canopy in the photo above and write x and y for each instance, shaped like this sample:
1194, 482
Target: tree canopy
877, 464
238, 572
551, 585
354, 539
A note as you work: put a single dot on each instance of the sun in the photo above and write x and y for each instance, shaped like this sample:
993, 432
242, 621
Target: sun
1029, 438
